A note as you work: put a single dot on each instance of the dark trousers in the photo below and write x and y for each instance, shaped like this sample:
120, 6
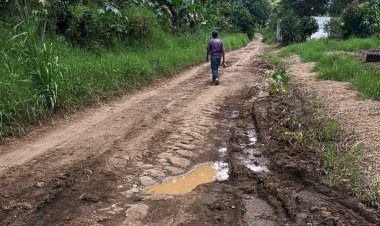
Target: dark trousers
215, 62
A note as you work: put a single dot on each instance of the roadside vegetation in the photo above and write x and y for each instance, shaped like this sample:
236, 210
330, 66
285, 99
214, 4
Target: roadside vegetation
334, 65
354, 27
59, 55
340, 152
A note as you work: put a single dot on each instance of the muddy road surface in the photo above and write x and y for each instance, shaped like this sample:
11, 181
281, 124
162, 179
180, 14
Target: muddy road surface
137, 161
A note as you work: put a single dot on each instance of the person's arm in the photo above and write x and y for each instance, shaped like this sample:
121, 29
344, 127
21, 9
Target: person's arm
224, 54
208, 52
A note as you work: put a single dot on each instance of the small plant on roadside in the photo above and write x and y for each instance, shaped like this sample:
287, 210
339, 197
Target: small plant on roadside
278, 82
329, 157
330, 131
296, 137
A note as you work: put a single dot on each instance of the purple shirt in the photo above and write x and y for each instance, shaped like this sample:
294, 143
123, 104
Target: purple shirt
215, 47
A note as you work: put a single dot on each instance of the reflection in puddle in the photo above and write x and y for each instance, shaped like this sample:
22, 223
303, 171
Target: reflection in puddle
257, 169
252, 136
252, 158
202, 174
233, 114
222, 151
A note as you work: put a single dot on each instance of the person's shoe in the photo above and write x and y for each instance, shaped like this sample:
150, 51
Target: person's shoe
216, 81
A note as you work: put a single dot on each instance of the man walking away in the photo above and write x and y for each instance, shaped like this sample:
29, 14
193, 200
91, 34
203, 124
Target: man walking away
216, 50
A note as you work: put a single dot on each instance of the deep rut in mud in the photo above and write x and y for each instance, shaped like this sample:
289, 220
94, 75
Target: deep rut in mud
95, 170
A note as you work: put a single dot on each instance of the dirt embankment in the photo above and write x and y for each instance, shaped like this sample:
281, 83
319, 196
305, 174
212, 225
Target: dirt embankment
94, 171
344, 104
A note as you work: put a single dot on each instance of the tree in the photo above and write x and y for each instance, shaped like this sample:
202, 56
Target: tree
176, 9
337, 6
259, 9
306, 7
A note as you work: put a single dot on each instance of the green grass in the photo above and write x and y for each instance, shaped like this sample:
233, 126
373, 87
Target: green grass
92, 75
269, 35
339, 67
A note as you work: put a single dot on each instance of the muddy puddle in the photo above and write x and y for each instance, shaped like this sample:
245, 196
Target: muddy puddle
252, 157
202, 174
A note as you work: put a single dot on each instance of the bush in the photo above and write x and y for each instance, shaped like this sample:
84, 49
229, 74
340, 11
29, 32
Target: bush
361, 20
290, 29
295, 29
60, 15
241, 18
334, 28
93, 26
309, 26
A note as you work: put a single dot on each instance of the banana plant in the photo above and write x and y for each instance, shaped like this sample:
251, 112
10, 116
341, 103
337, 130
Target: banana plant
177, 9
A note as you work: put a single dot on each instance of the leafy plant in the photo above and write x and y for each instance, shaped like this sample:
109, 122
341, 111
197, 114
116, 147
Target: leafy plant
329, 157
278, 83
361, 20
44, 67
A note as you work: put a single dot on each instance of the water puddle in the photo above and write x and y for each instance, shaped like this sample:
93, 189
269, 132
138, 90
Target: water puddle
252, 158
222, 151
252, 136
232, 114
202, 174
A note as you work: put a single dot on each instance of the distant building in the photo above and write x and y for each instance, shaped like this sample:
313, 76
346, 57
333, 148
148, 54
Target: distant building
321, 33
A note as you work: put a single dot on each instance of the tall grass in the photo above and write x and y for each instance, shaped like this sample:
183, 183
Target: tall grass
81, 76
332, 65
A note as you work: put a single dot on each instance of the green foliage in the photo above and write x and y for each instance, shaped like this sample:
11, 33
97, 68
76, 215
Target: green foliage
330, 131
305, 8
291, 31
105, 26
329, 157
88, 77
260, 10
334, 28
44, 67
269, 35
295, 29
361, 20
349, 167
241, 18
337, 6
278, 82
60, 15
309, 26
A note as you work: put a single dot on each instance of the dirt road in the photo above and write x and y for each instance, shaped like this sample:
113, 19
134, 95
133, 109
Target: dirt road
93, 170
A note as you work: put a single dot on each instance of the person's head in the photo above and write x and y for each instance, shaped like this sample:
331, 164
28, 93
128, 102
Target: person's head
215, 33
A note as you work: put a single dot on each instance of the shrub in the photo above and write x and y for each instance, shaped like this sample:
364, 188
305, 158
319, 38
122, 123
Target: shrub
242, 19
334, 28
60, 15
309, 26
291, 30
361, 20
93, 26
295, 29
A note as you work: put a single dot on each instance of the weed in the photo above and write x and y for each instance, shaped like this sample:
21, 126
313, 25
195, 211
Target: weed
278, 82
329, 156
330, 131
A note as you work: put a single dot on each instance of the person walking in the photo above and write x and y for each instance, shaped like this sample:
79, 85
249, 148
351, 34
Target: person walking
216, 49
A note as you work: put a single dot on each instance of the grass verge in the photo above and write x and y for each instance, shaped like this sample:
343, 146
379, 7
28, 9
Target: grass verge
87, 76
269, 35
334, 66
340, 153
